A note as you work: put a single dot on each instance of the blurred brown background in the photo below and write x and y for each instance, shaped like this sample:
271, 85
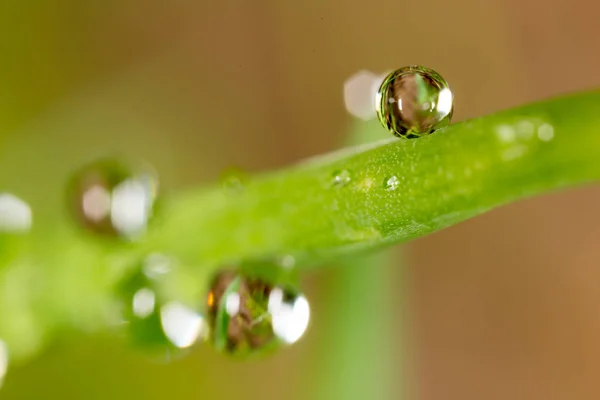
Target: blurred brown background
503, 306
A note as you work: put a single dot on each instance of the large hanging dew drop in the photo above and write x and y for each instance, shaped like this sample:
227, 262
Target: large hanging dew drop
113, 198
251, 316
414, 101
154, 320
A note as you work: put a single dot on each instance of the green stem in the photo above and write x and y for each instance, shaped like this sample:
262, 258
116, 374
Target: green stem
445, 178
58, 279
362, 340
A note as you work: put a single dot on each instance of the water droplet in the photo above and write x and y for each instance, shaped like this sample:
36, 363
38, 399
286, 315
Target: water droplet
113, 198
341, 178
506, 133
15, 214
414, 101
358, 94
392, 183
545, 132
514, 152
525, 129
286, 262
144, 301
157, 265
153, 318
233, 180
250, 316
3, 361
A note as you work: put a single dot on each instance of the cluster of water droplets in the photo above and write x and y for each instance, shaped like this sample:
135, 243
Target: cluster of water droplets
116, 200
522, 136
341, 178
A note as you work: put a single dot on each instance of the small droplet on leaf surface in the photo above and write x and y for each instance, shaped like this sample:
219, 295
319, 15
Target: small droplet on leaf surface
392, 183
113, 198
233, 180
341, 178
286, 262
545, 132
250, 316
414, 101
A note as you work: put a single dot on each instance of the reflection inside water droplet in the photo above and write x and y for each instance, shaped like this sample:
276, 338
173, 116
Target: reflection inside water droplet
249, 315
181, 324
290, 316
392, 183
341, 178
15, 214
114, 198
232, 304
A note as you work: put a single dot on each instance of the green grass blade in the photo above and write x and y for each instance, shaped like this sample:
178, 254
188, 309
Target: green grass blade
58, 279
362, 335
222, 318
445, 178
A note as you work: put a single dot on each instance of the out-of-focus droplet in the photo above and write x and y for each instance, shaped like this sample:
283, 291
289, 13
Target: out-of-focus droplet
157, 265
3, 361
341, 178
414, 101
359, 91
545, 132
392, 183
287, 262
250, 316
153, 318
144, 303
182, 325
233, 180
114, 198
15, 223
15, 214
